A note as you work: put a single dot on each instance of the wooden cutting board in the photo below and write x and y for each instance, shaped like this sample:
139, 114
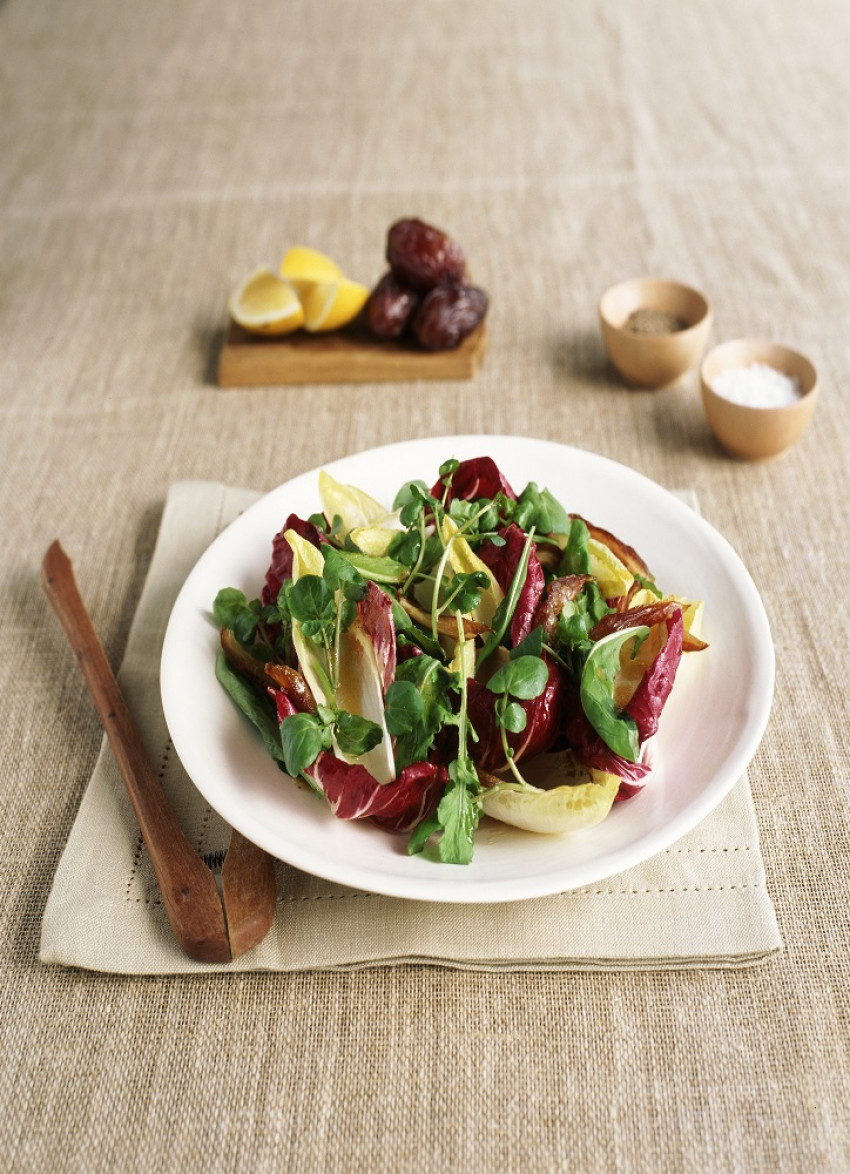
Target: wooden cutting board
351, 355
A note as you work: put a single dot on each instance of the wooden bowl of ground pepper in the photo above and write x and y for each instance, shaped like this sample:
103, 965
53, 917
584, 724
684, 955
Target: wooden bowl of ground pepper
654, 330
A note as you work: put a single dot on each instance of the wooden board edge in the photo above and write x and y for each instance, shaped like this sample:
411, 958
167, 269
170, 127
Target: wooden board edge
245, 362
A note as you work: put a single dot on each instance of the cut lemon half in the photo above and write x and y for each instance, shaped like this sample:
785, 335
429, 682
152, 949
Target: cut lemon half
266, 303
328, 305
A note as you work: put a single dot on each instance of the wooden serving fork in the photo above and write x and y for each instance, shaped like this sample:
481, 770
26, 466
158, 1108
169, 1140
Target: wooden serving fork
210, 927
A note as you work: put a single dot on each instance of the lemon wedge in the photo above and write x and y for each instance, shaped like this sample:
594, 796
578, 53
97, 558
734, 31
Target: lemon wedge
328, 305
301, 263
266, 303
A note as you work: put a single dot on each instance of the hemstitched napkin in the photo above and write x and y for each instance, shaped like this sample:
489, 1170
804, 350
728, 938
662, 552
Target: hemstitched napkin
700, 904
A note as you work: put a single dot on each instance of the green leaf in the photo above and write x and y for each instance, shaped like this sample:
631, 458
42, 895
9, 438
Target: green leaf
514, 718
378, 568
311, 600
576, 558
434, 686
458, 813
411, 491
404, 707
616, 729
464, 591
339, 569
229, 602
422, 833
649, 585
302, 741
418, 638
405, 547
539, 508
254, 705
559, 519
356, 735
525, 678
532, 645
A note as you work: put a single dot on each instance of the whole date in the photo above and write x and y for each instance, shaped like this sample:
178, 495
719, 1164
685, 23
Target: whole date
447, 315
391, 306
424, 256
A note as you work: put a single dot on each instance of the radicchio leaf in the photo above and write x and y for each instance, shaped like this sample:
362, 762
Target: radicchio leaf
283, 704
353, 793
592, 752
543, 716
503, 561
651, 694
376, 613
475, 478
281, 565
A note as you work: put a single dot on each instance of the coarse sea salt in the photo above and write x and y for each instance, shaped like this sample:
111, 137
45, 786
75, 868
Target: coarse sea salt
758, 386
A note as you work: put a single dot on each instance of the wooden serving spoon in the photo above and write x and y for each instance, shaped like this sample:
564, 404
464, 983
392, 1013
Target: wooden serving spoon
209, 927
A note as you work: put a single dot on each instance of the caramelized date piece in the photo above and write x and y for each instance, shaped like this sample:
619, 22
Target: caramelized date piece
422, 255
447, 315
391, 306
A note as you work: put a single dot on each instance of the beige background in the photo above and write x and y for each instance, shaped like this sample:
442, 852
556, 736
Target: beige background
149, 155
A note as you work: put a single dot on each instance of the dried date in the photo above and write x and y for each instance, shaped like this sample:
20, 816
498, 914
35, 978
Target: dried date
424, 256
391, 305
447, 315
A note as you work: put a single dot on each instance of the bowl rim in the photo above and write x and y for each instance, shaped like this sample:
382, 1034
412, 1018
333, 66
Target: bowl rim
669, 282
810, 382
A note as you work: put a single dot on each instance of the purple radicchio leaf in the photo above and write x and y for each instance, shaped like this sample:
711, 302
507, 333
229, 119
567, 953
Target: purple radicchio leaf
475, 478
399, 806
651, 694
375, 610
503, 562
280, 568
543, 717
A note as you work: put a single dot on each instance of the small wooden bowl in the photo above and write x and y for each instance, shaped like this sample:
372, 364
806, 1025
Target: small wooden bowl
654, 360
757, 433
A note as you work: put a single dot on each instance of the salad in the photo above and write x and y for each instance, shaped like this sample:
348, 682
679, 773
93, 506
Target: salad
469, 652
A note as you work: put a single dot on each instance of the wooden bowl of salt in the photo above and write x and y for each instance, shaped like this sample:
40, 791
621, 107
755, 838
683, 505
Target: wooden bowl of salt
758, 396
654, 330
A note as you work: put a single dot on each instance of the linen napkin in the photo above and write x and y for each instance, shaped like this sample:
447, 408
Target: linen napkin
701, 903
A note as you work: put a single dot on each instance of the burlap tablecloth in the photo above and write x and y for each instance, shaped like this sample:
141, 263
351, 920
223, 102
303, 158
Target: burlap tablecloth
152, 154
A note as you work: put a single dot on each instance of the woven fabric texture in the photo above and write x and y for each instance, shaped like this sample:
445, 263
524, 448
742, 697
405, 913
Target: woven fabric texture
152, 154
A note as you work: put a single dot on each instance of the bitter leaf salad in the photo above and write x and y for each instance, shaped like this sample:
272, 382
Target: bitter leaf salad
469, 652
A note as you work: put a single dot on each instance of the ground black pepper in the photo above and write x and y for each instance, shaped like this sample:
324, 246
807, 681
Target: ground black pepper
649, 321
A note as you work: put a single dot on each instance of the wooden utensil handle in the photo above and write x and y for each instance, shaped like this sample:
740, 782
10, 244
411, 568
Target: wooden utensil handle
190, 896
